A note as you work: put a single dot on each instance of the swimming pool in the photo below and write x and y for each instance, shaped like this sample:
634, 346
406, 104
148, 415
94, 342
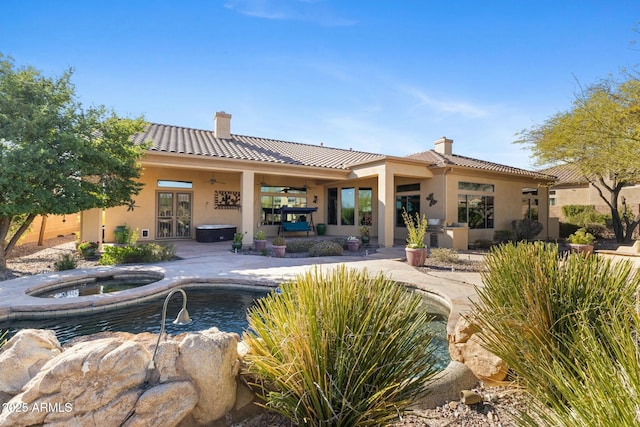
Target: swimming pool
223, 307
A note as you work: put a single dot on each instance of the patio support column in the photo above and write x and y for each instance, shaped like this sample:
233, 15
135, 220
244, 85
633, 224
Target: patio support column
247, 189
386, 208
91, 225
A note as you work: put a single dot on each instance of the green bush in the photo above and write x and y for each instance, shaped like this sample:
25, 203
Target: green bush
581, 237
124, 235
326, 248
444, 255
66, 261
342, 348
586, 216
526, 229
534, 307
567, 229
583, 215
135, 254
300, 245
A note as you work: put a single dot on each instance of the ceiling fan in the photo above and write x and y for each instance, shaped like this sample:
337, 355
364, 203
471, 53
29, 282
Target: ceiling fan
213, 180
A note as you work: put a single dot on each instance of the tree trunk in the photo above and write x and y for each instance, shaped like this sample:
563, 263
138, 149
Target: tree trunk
43, 224
9, 244
612, 201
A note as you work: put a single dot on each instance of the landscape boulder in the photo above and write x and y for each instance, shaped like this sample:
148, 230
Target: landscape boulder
466, 347
210, 359
22, 357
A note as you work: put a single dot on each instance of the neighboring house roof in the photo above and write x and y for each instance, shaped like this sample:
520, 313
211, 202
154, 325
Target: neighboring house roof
435, 159
567, 174
180, 140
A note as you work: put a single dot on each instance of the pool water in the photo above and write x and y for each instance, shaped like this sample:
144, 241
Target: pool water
103, 286
223, 308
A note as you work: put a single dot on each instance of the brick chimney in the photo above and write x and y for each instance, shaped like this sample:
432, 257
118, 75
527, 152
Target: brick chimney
444, 145
222, 125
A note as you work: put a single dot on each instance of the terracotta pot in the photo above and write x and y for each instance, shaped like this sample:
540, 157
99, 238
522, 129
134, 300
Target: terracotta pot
89, 253
278, 251
577, 248
353, 245
260, 245
416, 257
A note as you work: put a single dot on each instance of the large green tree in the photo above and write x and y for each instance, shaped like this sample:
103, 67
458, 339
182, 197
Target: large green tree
600, 135
57, 157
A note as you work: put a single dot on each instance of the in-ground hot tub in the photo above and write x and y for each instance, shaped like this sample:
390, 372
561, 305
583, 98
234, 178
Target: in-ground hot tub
214, 232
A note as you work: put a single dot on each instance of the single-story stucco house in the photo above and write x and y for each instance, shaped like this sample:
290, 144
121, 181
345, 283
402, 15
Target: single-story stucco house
573, 188
205, 177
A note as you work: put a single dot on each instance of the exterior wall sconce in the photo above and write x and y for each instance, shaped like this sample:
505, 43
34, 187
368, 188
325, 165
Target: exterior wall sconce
182, 319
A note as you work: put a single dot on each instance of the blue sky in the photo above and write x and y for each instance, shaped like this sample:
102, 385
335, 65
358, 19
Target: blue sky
380, 76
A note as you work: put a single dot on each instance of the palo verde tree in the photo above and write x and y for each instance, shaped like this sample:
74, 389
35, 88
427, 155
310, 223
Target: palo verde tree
57, 157
600, 136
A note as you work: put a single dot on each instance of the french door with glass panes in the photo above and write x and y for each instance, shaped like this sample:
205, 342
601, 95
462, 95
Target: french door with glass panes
173, 215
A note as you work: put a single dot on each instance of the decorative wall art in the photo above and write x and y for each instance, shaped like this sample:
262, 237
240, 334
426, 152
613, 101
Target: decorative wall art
223, 199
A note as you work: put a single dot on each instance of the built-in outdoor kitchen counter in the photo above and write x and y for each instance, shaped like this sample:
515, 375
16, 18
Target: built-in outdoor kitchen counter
453, 236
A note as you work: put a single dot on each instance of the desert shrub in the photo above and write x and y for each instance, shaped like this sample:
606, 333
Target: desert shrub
165, 251
534, 306
134, 254
503, 236
300, 245
326, 248
341, 348
342, 241
482, 243
603, 363
526, 229
444, 255
66, 261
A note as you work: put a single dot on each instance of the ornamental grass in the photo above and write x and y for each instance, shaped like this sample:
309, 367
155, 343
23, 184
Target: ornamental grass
567, 326
341, 348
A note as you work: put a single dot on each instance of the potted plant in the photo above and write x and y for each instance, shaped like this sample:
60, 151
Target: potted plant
279, 246
353, 243
88, 249
260, 240
365, 235
415, 250
236, 245
581, 241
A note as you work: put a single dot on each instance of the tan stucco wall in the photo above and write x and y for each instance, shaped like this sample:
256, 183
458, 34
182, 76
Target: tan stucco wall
56, 225
583, 195
507, 200
203, 207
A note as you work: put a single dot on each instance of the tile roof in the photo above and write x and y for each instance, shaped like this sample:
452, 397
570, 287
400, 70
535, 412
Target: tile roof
180, 140
567, 174
435, 159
